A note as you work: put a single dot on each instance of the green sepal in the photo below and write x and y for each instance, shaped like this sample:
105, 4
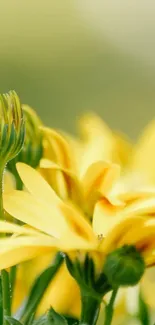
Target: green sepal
13, 321
51, 318
40, 285
56, 319
84, 274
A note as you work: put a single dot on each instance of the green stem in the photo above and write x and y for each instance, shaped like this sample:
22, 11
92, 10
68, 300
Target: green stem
5, 295
12, 279
4, 273
109, 310
90, 309
19, 186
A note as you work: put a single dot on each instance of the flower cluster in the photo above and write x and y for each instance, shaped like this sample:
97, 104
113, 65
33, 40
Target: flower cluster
77, 222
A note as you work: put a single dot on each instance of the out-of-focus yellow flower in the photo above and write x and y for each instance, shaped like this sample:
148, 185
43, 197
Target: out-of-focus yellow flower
136, 159
101, 143
101, 183
143, 159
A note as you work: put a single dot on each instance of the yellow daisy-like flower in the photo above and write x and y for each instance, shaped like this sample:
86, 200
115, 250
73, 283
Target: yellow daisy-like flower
96, 188
56, 225
60, 226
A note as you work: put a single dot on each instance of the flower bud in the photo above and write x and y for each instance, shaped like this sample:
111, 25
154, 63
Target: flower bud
12, 129
32, 150
124, 266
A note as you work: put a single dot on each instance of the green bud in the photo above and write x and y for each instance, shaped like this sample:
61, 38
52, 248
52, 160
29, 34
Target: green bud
124, 266
12, 128
32, 150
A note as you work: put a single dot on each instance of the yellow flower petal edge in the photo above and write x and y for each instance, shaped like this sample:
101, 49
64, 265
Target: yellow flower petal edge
100, 176
74, 190
36, 184
14, 250
115, 234
59, 146
24, 207
7, 227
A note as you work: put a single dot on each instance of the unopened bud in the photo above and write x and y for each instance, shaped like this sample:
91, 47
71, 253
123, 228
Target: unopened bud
32, 150
124, 266
12, 129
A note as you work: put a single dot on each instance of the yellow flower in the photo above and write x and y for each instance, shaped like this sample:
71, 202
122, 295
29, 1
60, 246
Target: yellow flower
57, 225
137, 159
61, 226
101, 143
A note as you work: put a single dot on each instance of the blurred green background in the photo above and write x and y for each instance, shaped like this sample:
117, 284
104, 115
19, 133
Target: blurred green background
68, 57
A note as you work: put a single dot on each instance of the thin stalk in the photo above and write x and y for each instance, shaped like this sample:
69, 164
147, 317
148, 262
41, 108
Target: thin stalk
109, 310
13, 271
4, 273
90, 310
12, 280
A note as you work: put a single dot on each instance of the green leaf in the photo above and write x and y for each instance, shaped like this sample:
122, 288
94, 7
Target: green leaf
13, 321
143, 311
39, 287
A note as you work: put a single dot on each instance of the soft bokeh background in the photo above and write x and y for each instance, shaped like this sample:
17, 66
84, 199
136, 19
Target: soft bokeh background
68, 57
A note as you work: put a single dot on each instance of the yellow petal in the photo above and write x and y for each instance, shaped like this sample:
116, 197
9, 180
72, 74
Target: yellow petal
140, 207
137, 194
100, 141
72, 242
144, 156
124, 148
138, 236
28, 271
59, 147
77, 223
7, 227
150, 260
105, 217
111, 240
36, 184
17, 249
63, 285
72, 184
25, 208
100, 176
